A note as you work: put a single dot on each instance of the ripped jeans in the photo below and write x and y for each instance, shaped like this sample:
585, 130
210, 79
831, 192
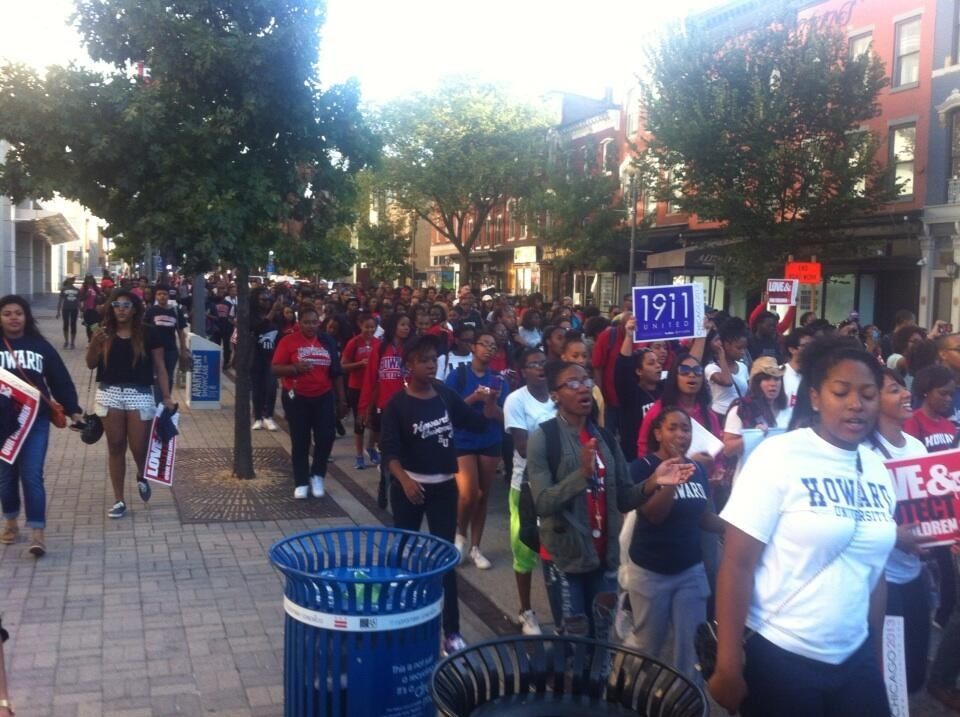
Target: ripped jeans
587, 601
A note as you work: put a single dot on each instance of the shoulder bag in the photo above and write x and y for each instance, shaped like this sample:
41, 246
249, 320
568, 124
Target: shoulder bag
705, 638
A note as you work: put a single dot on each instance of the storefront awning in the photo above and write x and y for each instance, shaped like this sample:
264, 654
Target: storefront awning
50, 225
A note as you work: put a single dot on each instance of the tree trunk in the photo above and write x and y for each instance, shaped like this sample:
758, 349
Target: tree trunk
464, 268
242, 440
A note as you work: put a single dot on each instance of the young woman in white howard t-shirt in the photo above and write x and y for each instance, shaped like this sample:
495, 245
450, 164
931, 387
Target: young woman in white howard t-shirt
810, 529
728, 375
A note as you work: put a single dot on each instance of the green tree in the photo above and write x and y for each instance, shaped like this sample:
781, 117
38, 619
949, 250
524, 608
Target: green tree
385, 249
454, 155
761, 131
228, 149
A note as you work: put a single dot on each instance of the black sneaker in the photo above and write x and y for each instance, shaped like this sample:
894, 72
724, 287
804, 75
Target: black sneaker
118, 510
145, 490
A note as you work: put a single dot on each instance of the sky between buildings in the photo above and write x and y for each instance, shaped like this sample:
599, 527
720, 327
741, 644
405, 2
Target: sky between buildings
395, 47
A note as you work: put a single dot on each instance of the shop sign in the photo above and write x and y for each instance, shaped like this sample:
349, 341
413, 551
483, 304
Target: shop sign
806, 272
525, 255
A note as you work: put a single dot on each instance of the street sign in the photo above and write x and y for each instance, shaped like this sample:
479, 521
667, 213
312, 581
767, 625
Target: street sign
806, 272
782, 292
271, 267
668, 312
203, 380
157, 264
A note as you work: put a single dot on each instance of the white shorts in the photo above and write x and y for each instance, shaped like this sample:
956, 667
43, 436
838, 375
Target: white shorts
126, 398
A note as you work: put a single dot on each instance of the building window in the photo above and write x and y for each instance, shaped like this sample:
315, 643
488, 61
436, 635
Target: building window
673, 207
955, 144
906, 68
903, 141
608, 151
633, 114
860, 45
858, 140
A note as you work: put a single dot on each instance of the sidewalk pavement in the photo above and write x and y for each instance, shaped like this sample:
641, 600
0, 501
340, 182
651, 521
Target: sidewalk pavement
147, 617
144, 616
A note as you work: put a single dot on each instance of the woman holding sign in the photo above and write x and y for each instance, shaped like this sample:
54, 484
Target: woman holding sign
907, 593
810, 527
764, 406
31, 358
127, 354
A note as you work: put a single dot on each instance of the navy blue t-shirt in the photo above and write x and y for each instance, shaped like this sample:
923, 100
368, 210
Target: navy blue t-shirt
674, 545
464, 381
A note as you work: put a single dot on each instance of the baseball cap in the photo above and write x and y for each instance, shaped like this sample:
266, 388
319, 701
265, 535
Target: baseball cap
766, 365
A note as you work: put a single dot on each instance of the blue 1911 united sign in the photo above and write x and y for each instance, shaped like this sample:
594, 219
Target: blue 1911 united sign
668, 312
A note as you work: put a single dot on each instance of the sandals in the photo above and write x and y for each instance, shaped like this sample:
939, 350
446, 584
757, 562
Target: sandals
9, 535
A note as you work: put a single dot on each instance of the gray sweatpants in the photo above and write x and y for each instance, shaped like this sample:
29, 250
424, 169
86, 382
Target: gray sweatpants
659, 601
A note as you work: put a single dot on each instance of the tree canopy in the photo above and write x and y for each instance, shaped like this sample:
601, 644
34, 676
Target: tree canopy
208, 135
457, 153
762, 131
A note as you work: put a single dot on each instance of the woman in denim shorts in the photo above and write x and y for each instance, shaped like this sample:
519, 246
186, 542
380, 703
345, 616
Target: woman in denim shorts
127, 356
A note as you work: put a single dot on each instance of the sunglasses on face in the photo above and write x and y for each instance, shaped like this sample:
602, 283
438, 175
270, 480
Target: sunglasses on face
121, 304
688, 370
575, 384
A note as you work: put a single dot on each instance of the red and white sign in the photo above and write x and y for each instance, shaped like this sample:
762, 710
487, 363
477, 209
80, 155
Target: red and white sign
160, 455
806, 272
28, 398
782, 292
928, 496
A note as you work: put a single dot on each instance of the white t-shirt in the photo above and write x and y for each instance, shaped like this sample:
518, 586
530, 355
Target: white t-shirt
447, 364
734, 423
812, 585
723, 396
791, 385
902, 567
522, 410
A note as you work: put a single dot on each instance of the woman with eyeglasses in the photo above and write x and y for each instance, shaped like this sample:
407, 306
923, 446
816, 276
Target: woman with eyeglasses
478, 454
636, 378
127, 354
25, 353
580, 504
461, 353
809, 530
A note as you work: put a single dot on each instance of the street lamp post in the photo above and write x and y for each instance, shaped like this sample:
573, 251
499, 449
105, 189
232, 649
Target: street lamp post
633, 221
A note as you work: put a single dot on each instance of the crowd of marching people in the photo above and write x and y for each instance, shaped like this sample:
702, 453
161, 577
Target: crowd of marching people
659, 485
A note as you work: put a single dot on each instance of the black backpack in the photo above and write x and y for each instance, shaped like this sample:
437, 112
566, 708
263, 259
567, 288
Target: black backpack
529, 532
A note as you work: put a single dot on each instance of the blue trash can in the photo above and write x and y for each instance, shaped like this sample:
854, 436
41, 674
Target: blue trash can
363, 620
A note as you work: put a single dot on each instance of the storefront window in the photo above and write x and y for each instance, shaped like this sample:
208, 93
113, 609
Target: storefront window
840, 297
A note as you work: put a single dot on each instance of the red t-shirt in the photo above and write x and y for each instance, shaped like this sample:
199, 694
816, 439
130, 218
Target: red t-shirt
936, 434
358, 349
295, 348
385, 373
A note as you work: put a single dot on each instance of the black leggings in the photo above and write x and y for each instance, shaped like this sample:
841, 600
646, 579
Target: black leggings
264, 389
308, 415
948, 583
440, 507
70, 322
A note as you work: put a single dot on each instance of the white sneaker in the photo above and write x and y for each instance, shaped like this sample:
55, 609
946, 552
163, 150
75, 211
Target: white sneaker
461, 544
316, 486
477, 557
270, 424
301, 492
257, 425
529, 624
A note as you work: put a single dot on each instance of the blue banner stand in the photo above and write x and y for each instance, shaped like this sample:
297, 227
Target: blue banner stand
203, 379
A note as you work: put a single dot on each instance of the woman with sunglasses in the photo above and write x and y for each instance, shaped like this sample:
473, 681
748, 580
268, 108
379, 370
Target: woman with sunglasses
478, 454
809, 531
127, 354
684, 387
580, 505
25, 353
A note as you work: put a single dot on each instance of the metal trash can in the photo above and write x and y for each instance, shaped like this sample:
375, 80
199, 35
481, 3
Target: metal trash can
363, 620
547, 676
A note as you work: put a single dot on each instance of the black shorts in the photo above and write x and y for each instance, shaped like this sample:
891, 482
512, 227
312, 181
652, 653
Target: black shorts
490, 451
374, 424
353, 401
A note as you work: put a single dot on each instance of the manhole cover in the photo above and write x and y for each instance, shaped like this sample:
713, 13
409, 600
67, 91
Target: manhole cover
205, 493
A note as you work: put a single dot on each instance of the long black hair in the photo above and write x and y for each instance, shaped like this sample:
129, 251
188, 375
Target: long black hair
390, 327
671, 391
29, 323
817, 360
